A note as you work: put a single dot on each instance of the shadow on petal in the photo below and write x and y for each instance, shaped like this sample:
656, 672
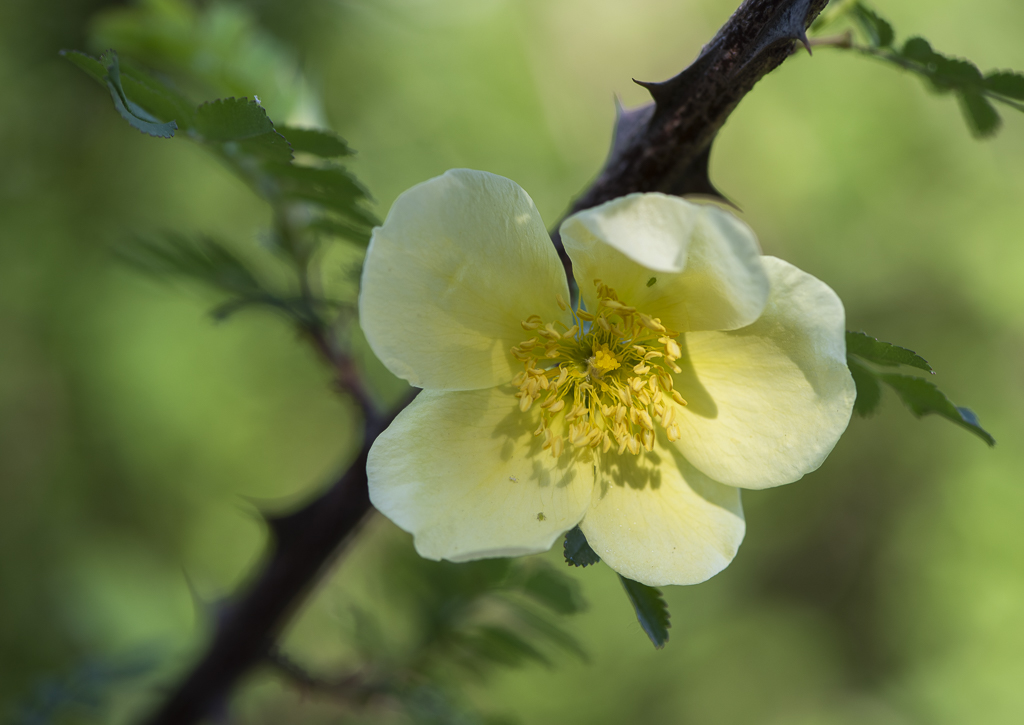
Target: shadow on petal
517, 431
698, 399
638, 472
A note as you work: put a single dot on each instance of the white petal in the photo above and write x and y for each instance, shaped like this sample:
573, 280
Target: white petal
658, 520
767, 403
695, 266
463, 472
459, 263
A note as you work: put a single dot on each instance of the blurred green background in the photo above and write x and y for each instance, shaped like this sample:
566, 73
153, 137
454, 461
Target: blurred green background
138, 438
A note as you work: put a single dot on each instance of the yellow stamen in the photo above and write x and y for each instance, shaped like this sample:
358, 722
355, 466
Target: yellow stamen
605, 382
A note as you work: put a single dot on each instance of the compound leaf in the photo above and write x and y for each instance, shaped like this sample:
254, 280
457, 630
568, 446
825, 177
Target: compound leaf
941, 73
920, 395
202, 259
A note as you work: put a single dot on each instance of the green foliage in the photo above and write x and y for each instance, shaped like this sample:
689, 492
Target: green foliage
1006, 83
869, 392
240, 132
577, 550
432, 620
922, 397
331, 187
502, 646
214, 50
107, 71
205, 260
883, 353
242, 126
943, 74
918, 394
325, 144
651, 610
878, 31
552, 589
481, 613
311, 201
84, 691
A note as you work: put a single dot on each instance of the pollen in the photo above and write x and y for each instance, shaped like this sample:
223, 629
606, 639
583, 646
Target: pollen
602, 361
604, 382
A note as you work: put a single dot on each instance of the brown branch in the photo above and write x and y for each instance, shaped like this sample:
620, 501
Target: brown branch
304, 544
665, 147
667, 151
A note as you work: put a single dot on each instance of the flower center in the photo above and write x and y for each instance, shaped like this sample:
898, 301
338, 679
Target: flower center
603, 382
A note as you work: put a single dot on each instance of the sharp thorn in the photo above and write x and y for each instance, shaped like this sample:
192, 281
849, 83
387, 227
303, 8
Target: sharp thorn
807, 43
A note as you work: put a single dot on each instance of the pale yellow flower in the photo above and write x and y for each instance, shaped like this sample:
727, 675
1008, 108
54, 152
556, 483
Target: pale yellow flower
693, 368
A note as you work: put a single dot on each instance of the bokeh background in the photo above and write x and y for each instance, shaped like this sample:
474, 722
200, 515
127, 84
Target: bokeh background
139, 438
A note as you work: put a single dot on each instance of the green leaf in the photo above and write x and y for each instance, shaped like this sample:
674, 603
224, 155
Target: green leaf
554, 590
883, 353
954, 73
651, 610
869, 392
242, 126
332, 187
577, 550
156, 96
1005, 83
138, 117
148, 104
355, 232
202, 259
920, 51
91, 66
319, 142
982, 117
923, 397
502, 645
877, 29
549, 630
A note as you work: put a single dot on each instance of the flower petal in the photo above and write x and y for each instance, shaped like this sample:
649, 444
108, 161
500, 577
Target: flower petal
658, 520
463, 472
695, 266
460, 262
767, 403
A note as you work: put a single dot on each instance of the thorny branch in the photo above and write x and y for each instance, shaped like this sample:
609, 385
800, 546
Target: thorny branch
663, 146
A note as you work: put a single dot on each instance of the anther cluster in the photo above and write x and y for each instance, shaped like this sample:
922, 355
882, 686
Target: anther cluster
603, 382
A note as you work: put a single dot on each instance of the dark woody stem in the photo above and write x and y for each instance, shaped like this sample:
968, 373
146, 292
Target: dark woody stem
663, 146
